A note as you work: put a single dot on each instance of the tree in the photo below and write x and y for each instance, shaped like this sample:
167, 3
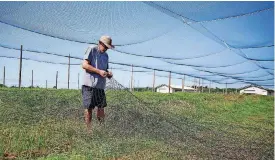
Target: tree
2, 85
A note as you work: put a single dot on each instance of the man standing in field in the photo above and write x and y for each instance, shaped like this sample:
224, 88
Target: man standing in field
95, 65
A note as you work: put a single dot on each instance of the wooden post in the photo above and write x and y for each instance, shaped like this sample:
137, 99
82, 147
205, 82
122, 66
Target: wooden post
78, 81
56, 79
20, 66
226, 88
194, 84
132, 80
46, 84
169, 81
130, 85
183, 81
133, 85
182, 85
138, 86
209, 86
4, 77
199, 85
69, 72
153, 89
32, 78
202, 85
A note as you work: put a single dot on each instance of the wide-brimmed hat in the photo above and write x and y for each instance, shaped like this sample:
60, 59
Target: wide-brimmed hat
107, 40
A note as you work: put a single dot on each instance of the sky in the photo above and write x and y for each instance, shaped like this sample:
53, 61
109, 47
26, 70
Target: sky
211, 40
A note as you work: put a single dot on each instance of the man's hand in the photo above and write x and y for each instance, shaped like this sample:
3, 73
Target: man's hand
109, 74
102, 73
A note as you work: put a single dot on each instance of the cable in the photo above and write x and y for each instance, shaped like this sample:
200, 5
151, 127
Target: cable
11, 57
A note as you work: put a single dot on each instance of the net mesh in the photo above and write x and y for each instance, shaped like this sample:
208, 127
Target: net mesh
213, 47
241, 32
51, 122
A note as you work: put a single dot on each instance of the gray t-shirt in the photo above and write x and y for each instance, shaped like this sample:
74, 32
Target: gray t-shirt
99, 61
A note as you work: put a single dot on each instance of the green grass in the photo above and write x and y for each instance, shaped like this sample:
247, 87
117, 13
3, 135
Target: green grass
48, 124
247, 110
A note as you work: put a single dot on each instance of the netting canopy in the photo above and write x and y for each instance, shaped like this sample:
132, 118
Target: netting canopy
223, 42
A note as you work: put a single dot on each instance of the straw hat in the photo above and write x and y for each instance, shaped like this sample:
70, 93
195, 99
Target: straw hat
107, 40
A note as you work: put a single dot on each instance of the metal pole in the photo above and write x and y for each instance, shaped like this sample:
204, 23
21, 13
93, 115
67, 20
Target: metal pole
69, 72
56, 79
153, 89
20, 66
46, 84
4, 77
169, 81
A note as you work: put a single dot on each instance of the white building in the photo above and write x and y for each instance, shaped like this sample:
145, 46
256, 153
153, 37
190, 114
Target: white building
165, 89
251, 89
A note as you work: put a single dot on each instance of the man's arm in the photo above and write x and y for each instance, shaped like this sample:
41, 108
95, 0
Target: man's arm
109, 73
86, 65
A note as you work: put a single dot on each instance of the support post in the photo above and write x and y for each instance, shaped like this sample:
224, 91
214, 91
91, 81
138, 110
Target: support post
32, 78
4, 77
132, 79
56, 77
78, 81
20, 66
69, 72
153, 89
169, 81
183, 81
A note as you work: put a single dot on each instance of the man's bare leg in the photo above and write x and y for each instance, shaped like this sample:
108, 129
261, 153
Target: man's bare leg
100, 115
88, 119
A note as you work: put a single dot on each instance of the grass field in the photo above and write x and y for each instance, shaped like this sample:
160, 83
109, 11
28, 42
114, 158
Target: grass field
48, 124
